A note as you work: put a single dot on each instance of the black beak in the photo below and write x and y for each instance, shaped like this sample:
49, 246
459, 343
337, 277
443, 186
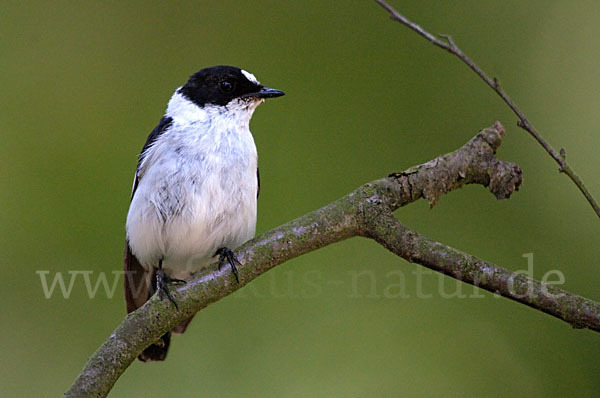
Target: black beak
266, 92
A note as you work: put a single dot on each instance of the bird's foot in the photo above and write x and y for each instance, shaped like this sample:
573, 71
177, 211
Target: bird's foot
162, 285
226, 255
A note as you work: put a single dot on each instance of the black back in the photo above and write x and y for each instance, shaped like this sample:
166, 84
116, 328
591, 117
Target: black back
163, 125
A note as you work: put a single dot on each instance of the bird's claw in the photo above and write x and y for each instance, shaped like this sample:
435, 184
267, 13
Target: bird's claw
226, 255
162, 285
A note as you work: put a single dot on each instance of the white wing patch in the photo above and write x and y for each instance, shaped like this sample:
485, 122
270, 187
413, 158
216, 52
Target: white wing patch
250, 77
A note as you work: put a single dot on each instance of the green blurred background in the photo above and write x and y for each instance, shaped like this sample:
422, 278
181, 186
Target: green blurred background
83, 83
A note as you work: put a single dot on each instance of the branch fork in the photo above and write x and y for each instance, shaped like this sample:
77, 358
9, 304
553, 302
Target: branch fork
367, 212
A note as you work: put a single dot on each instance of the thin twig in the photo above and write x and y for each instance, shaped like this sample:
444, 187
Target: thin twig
451, 47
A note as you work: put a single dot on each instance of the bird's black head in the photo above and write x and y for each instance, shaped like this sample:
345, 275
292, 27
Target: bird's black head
218, 85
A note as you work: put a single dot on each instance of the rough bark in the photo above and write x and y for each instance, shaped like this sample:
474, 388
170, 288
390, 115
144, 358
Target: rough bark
366, 212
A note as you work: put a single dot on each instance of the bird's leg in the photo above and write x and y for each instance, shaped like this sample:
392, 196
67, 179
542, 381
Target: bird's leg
162, 283
226, 255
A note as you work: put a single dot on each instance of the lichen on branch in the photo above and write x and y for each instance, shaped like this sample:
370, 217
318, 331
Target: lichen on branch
367, 212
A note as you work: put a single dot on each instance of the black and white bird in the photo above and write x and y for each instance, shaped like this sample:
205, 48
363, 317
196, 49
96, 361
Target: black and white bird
196, 187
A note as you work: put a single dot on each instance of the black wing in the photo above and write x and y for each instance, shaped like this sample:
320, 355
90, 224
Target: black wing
258, 180
163, 125
137, 279
137, 285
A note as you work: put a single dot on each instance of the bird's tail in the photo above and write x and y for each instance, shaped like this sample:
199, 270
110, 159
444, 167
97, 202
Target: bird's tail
158, 350
138, 283
138, 289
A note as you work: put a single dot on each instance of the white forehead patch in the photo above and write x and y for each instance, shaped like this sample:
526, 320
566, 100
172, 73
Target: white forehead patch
250, 77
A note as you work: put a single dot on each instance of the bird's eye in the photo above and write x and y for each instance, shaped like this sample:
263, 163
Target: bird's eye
227, 86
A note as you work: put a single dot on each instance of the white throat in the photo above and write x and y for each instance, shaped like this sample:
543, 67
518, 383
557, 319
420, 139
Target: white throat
237, 111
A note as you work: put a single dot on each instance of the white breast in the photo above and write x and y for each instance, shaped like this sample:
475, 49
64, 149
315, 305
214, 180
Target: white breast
197, 190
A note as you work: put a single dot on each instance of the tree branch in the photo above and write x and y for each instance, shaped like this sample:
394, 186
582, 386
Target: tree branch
366, 212
451, 47
410, 245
